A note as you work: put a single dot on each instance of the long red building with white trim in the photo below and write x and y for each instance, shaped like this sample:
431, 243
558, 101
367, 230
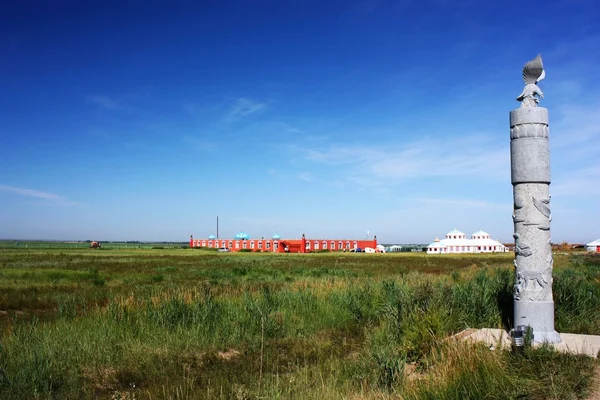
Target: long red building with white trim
277, 245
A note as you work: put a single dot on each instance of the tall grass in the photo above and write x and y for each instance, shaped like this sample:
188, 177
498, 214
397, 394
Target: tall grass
298, 327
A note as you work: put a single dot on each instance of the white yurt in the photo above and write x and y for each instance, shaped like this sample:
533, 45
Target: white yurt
593, 246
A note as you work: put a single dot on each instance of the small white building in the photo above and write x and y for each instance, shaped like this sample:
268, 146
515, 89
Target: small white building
393, 249
456, 242
593, 246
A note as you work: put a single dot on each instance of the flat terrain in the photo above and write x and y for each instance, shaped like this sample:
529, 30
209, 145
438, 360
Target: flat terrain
187, 323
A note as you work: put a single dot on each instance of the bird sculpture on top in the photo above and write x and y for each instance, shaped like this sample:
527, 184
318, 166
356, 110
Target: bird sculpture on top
533, 72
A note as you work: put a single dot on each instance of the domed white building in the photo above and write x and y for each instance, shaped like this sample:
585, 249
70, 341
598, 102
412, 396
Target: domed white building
457, 242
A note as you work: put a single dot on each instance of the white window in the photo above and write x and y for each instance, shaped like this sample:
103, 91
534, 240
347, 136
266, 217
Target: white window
340, 245
210, 243
332, 245
324, 245
348, 245
316, 245
237, 244
223, 244
260, 244
230, 243
307, 245
268, 245
244, 244
204, 243
252, 244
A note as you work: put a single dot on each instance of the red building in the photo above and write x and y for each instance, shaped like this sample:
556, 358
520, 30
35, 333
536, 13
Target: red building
277, 245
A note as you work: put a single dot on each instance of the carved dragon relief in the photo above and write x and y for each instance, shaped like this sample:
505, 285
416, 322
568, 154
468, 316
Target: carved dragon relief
522, 248
542, 205
533, 72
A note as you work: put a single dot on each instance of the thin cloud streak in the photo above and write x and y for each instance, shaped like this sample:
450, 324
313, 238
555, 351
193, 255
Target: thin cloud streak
582, 182
242, 108
374, 165
462, 202
576, 125
201, 144
54, 198
304, 176
32, 193
103, 102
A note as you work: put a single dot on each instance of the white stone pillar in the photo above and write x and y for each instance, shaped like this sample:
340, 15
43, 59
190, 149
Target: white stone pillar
530, 173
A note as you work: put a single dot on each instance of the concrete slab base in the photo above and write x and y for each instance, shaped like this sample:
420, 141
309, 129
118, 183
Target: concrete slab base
588, 345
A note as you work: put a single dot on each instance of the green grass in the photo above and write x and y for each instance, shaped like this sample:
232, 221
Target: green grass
187, 323
38, 244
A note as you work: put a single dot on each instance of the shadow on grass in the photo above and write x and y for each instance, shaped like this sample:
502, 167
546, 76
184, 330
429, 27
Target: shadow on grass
504, 299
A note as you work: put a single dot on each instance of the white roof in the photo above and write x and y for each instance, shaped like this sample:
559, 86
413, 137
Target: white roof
454, 232
594, 243
437, 244
480, 233
485, 242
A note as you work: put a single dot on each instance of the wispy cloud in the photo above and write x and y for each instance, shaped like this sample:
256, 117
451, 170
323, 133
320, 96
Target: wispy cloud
219, 120
582, 182
117, 140
276, 173
32, 193
376, 164
575, 148
130, 102
304, 176
242, 108
462, 202
200, 144
50, 197
103, 102
576, 124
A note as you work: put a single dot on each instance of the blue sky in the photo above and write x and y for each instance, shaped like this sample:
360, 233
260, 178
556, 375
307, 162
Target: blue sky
146, 120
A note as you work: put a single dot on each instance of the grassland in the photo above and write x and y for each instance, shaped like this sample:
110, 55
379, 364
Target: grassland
47, 245
186, 324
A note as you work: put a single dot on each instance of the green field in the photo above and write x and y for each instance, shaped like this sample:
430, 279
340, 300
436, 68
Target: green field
46, 245
127, 323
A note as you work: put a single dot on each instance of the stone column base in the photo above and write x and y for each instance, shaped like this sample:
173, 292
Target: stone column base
539, 315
